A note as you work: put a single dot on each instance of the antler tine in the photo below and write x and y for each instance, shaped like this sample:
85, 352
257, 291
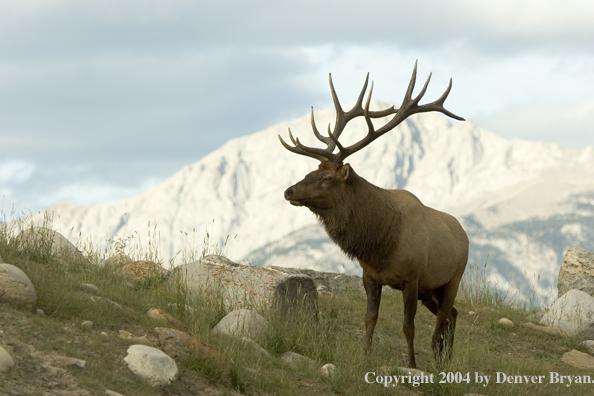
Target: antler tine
362, 93
439, 104
422, 93
411, 84
318, 135
299, 148
345, 152
334, 96
370, 127
342, 117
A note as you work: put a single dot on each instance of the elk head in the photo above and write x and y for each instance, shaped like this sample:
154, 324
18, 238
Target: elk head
331, 176
320, 189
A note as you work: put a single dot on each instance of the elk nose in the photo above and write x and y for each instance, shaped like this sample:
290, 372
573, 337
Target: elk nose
288, 193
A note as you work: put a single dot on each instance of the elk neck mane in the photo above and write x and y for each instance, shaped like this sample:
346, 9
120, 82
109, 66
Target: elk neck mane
364, 221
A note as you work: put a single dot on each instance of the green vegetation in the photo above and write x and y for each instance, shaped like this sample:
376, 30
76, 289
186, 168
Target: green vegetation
483, 347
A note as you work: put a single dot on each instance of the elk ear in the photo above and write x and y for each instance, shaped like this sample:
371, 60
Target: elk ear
344, 171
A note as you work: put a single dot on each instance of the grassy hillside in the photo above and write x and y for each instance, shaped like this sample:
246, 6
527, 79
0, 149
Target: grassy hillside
483, 347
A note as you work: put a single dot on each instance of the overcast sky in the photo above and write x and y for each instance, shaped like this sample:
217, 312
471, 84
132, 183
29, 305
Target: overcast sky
101, 99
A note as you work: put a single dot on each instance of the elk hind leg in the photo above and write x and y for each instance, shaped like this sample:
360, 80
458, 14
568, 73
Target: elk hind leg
374, 296
443, 337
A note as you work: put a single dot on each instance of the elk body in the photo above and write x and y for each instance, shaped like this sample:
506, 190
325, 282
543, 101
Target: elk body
398, 241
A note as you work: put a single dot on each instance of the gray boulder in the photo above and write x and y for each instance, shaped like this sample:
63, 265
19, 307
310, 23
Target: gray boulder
15, 287
577, 271
329, 282
243, 323
6, 362
578, 359
152, 365
255, 347
244, 286
296, 361
47, 242
573, 313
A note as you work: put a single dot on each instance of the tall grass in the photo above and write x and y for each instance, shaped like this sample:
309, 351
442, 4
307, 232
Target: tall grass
482, 345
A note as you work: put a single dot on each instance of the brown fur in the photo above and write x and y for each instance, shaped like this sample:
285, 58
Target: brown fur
398, 242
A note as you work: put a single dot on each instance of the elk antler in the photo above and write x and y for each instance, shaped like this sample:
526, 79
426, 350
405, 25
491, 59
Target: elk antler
409, 107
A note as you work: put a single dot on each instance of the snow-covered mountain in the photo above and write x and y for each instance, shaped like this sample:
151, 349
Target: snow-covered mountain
522, 203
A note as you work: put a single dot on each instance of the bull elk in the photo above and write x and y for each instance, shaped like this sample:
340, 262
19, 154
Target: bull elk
397, 240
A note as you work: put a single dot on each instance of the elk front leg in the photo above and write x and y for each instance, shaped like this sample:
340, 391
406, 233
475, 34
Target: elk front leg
410, 296
374, 296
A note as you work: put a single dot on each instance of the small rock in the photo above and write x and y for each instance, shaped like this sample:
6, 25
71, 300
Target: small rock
112, 393
89, 287
15, 287
177, 344
151, 364
327, 371
471, 313
296, 360
97, 299
142, 340
161, 316
547, 329
40, 312
387, 370
506, 322
578, 359
125, 335
86, 325
6, 362
589, 344
70, 361
242, 323
412, 371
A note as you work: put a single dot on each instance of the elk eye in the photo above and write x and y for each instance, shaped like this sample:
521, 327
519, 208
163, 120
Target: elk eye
328, 179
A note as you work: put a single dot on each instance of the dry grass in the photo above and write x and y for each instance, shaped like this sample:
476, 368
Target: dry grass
482, 347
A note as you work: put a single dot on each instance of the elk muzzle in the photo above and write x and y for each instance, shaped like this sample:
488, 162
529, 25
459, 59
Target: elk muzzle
290, 196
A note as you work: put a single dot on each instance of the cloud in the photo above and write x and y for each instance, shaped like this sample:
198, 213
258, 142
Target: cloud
569, 123
203, 98
15, 171
88, 194
52, 28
